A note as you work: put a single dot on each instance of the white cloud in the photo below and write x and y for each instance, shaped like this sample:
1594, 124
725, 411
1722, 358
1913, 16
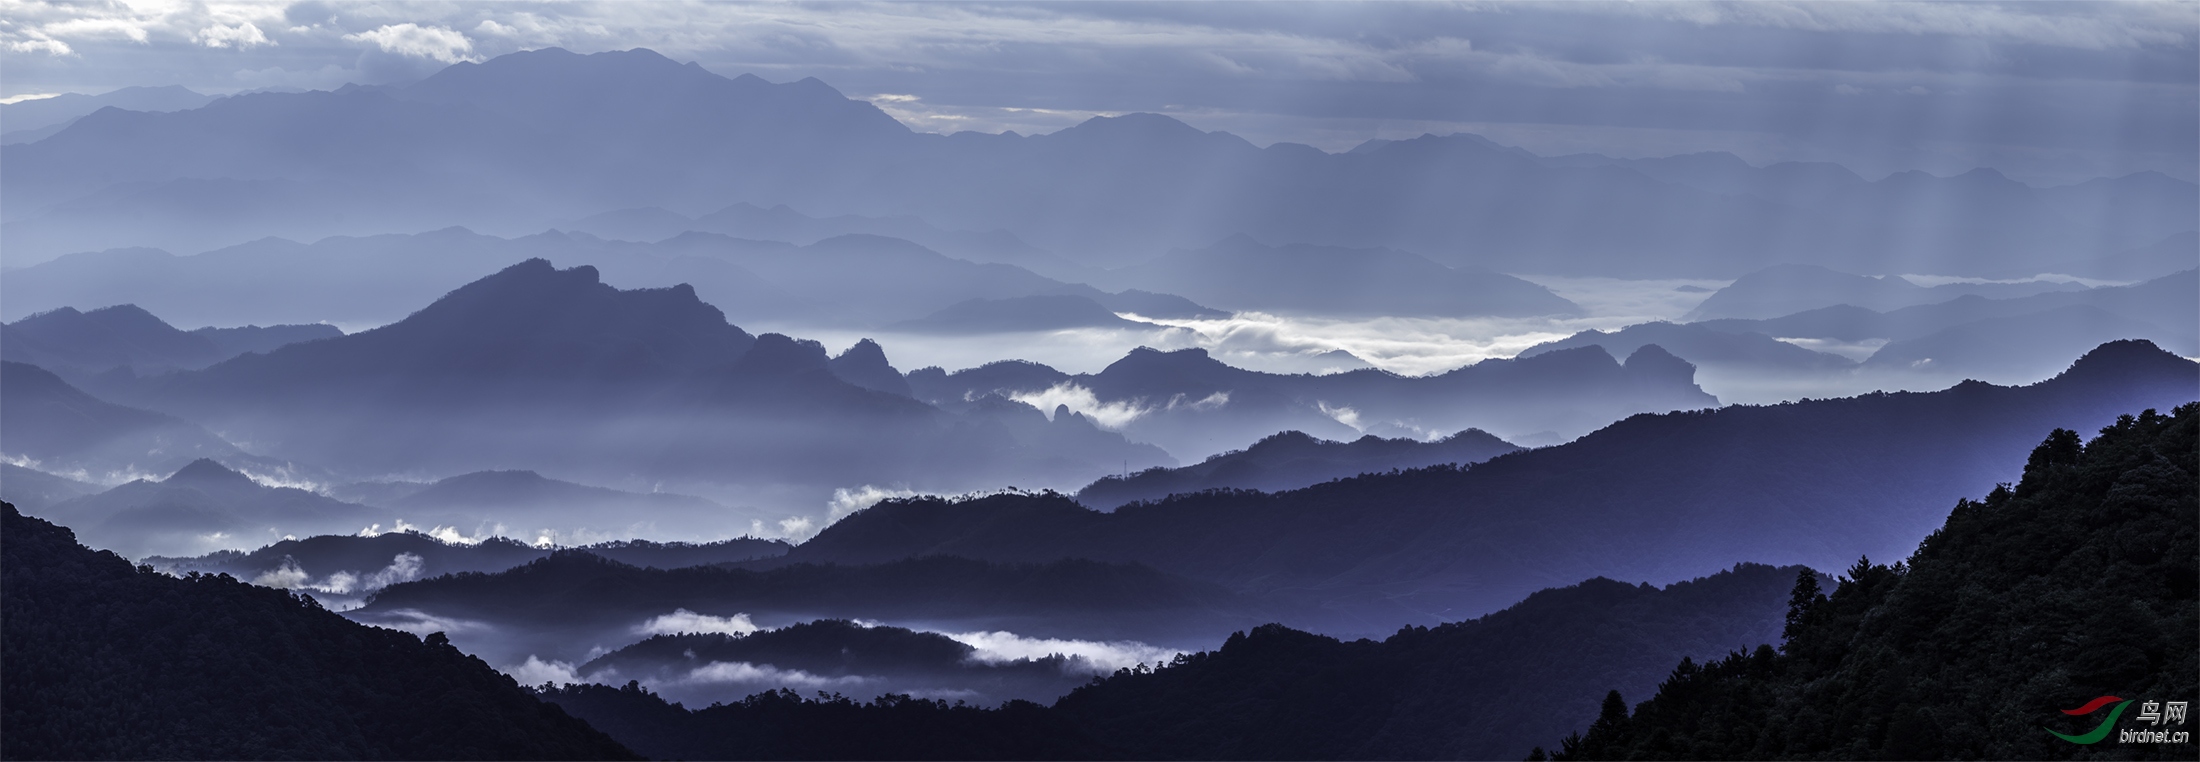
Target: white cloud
1112, 415
683, 621
243, 36
287, 576
1343, 414
535, 671
409, 39
846, 501
46, 45
744, 672
1095, 656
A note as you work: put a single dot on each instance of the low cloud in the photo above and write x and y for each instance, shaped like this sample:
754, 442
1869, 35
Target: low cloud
846, 501
1093, 656
422, 623
535, 671
683, 621
430, 42
404, 567
1109, 415
243, 36
765, 674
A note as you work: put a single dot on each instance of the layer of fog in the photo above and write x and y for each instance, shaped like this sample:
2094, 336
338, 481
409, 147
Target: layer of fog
1291, 344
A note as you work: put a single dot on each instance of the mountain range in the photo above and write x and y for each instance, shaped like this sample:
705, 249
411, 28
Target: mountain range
126, 336
554, 370
863, 281
1195, 406
1654, 497
1291, 460
468, 145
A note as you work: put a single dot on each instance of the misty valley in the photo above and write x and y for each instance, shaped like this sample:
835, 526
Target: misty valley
531, 403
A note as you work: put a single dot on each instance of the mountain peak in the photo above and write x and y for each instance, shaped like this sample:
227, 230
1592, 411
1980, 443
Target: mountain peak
2124, 358
207, 472
865, 365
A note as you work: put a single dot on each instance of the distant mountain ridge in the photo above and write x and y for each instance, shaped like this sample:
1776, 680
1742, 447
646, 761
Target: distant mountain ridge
560, 372
209, 177
1291, 460
1194, 405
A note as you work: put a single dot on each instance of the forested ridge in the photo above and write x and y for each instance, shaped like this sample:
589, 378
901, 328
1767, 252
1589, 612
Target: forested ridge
1477, 689
2077, 583
109, 661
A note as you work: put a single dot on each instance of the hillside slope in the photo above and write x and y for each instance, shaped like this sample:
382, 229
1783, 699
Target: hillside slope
1994, 639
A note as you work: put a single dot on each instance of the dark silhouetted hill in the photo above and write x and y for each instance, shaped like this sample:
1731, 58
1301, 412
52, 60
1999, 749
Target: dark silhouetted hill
1291, 460
1478, 689
347, 565
590, 599
109, 661
2020, 611
864, 660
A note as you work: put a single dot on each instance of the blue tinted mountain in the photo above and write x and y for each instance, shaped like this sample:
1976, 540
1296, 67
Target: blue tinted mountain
1704, 347
553, 370
60, 427
2162, 303
865, 365
1240, 273
253, 338
1195, 406
110, 661
204, 505
1812, 482
2011, 346
1291, 460
858, 280
2169, 255
33, 120
1788, 289
103, 339
126, 336
33, 490
781, 223
513, 143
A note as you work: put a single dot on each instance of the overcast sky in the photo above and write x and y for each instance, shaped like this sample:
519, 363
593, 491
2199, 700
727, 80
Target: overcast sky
2045, 92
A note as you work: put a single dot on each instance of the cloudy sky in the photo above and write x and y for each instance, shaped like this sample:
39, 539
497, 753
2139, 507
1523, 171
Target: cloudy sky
2045, 92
